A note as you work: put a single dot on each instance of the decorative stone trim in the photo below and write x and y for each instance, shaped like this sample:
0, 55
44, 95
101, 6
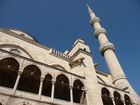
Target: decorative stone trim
105, 47
96, 19
99, 31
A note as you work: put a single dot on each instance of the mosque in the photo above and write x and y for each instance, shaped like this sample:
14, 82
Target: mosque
34, 74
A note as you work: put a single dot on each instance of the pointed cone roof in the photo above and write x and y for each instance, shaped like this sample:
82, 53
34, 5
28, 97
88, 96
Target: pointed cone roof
90, 10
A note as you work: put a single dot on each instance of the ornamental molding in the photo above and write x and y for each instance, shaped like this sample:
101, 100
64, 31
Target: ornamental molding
106, 46
99, 31
93, 20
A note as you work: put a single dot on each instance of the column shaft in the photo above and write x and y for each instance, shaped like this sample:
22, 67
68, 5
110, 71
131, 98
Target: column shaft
52, 92
40, 87
71, 94
17, 81
87, 99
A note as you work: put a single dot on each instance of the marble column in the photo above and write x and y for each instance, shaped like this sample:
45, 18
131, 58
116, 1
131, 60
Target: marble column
17, 81
40, 87
52, 92
86, 94
112, 98
71, 94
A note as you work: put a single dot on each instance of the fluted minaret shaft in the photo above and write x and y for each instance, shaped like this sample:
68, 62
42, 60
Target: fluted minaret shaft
107, 49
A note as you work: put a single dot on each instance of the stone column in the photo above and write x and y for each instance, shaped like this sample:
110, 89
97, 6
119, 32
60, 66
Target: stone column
123, 102
40, 87
86, 94
17, 81
112, 98
71, 94
52, 92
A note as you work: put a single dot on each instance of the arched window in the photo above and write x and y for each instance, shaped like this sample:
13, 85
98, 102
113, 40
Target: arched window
127, 100
78, 93
106, 97
62, 90
117, 98
30, 79
47, 85
8, 72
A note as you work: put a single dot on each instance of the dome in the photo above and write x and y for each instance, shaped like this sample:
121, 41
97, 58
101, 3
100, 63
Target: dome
22, 34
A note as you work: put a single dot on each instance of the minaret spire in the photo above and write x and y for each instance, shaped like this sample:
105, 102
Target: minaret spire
107, 49
89, 9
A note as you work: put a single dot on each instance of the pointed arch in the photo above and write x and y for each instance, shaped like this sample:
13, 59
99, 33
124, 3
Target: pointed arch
47, 85
78, 93
106, 97
30, 79
117, 98
127, 100
62, 90
9, 68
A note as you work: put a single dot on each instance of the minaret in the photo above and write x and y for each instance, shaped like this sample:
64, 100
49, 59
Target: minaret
107, 49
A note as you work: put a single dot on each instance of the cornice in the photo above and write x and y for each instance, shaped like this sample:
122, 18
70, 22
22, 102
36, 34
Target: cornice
81, 51
102, 72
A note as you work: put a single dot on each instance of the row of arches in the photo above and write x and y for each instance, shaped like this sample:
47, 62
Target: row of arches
30, 81
107, 100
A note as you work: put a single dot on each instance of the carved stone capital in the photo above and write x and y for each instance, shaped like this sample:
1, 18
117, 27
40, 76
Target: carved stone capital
19, 72
106, 46
99, 31
53, 82
42, 79
71, 87
96, 19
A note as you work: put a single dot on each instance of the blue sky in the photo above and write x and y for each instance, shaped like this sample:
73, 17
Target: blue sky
57, 23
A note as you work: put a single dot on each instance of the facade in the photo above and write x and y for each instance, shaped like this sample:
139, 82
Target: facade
34, 74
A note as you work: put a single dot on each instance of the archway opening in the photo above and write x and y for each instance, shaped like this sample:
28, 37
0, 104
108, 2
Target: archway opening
117, 98
127, 100
78, 93
8, 72
30, 79
106, 97
62, 90
47, 85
